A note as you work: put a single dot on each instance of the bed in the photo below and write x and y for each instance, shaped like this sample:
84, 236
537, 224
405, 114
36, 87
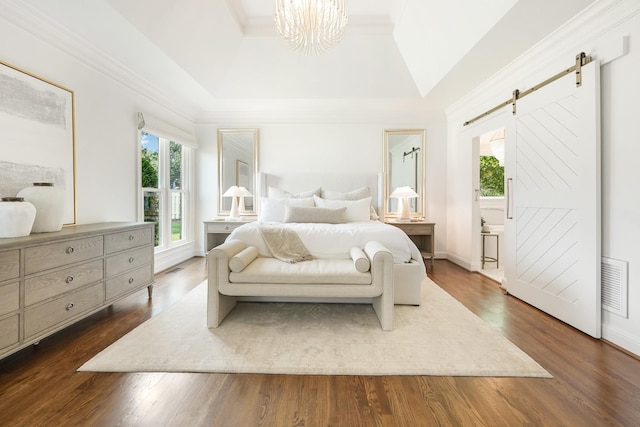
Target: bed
334, 241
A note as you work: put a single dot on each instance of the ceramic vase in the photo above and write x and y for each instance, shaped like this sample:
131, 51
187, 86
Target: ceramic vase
16, 217
49, 203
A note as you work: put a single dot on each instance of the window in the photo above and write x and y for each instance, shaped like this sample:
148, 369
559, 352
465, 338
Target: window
491, 177
165, 188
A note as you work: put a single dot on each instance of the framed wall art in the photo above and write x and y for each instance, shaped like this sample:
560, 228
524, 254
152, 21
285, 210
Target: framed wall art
37, 135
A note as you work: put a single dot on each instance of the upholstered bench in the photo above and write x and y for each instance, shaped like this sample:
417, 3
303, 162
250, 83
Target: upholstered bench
368, 275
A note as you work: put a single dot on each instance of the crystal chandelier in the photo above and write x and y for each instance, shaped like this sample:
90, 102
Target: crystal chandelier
311, 27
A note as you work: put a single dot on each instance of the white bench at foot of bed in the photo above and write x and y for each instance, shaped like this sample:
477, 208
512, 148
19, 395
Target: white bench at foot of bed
269, 277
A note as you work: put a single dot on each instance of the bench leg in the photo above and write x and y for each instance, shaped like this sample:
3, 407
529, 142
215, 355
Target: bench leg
383, 306
218, 306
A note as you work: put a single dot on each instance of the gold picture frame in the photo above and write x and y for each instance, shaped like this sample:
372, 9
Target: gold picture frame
37, 135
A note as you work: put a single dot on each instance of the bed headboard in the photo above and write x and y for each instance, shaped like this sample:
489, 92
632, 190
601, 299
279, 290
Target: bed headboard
299, 182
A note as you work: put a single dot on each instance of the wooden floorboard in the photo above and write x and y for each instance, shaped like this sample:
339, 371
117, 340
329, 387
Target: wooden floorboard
593, 384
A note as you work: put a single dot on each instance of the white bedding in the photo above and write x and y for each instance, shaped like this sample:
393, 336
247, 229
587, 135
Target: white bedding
336, 240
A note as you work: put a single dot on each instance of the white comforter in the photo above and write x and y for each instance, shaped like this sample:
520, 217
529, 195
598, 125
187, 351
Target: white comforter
336, 240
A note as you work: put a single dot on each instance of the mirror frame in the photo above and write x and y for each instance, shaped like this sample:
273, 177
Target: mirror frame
420, 211
255, 134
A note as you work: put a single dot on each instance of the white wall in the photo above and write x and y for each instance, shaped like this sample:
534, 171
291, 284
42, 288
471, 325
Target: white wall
600, 31
328, 148
106, 138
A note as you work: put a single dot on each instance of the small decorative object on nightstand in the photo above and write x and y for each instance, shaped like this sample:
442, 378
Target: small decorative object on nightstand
422, 233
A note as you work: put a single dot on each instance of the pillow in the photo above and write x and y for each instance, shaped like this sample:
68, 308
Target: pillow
272, 209
243, 258
324, 215
356, 194
357, 210
360, 260
282, 194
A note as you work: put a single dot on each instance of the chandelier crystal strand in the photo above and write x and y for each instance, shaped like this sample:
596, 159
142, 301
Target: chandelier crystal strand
310, 27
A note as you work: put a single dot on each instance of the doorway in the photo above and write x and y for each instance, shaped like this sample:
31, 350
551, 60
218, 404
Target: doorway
491, 201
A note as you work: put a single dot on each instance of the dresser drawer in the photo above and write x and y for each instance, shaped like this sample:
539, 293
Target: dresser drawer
41, 258
9, 265
126, 261
416, 229
124, 283
40, 288
9, 298
61, 309
117, 242
9, 331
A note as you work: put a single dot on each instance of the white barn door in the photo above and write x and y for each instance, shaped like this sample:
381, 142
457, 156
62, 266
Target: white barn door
552, 228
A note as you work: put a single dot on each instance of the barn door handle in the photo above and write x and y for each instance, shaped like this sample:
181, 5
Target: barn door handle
509, 183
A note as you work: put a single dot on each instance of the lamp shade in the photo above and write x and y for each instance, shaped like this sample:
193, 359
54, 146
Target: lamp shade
404, 193
233, 191
401, 192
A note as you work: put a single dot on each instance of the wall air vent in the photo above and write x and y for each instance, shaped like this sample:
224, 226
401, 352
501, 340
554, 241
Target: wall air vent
615, 284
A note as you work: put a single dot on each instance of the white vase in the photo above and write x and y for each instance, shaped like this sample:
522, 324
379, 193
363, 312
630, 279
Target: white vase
16, 217
49, 203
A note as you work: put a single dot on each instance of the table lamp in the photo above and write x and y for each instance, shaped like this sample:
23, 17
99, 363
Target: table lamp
404, 194
234, 192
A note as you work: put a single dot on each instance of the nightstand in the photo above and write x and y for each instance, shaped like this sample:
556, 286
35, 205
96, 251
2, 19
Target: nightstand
216, 231
422, 233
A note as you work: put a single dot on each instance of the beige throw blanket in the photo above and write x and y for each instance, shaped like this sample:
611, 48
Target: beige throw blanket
285, 244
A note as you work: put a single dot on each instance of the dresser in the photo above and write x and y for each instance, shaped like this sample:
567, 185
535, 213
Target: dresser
51, 280
422, 233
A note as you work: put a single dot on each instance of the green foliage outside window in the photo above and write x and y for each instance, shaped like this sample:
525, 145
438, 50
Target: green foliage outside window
175, 165
491, 177
149, 172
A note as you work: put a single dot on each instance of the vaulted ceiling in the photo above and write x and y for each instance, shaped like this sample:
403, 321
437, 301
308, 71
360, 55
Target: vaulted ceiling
225, 54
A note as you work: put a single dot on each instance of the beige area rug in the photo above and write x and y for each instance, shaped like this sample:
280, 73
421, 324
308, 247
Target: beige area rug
441, 337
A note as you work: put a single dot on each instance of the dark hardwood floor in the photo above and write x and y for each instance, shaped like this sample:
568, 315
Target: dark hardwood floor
594, 384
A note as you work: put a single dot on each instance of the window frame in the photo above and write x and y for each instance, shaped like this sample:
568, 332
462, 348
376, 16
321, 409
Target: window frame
165, 191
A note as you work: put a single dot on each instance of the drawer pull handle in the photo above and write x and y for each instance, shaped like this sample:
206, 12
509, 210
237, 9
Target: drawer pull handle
130, 260
70, 250
131, 237
69, 306
131, 280
226, 228
69, 279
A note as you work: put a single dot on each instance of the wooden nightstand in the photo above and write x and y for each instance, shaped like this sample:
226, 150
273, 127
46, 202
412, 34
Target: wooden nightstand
422, 233
215, 231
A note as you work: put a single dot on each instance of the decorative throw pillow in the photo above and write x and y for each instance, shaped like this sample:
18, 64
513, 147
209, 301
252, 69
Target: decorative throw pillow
283, 194
357, 194
357, 210
239, 261
317, 215
272, 209
360, 260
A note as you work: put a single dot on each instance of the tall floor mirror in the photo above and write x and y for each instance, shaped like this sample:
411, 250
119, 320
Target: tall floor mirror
404, 167
237, 166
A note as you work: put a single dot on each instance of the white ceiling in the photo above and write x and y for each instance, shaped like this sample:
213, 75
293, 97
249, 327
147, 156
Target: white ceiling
225, 54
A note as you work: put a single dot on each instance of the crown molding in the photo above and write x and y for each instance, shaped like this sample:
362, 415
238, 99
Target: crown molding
557, 50
33, 21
